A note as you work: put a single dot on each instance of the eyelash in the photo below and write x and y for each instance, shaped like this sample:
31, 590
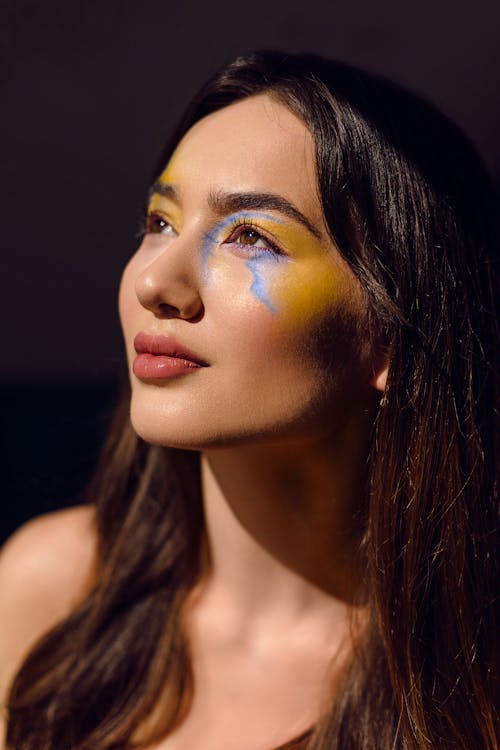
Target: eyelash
245, 225
235, 231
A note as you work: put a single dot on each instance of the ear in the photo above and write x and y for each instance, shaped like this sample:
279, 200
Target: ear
380, 364
379, 378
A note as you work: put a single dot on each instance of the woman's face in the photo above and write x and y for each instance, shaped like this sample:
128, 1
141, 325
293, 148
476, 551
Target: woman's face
252, 326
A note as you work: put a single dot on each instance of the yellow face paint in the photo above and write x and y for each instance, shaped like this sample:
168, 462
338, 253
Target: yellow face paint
309, 291
309, 280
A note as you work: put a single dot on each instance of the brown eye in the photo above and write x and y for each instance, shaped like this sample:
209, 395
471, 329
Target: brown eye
249, 237
252, 237
252, 242
157, 224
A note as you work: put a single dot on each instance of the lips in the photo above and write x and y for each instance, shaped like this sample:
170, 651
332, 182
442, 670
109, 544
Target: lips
162, 356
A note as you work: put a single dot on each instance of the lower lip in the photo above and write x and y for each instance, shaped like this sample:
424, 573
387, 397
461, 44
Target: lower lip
160, 367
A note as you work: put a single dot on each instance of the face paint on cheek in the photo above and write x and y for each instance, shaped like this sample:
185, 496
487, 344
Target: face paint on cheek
310, 290
312, 284
259, 286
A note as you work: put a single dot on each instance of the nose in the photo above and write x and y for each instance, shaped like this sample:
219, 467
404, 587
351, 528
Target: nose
169, 285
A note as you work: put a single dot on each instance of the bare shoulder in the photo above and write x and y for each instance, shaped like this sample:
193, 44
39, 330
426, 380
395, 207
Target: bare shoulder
45, 571
49, 557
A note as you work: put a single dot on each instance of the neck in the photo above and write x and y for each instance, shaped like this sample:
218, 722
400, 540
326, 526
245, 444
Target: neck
282, 527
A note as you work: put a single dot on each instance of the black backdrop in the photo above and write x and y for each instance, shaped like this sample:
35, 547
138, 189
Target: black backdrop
89, 91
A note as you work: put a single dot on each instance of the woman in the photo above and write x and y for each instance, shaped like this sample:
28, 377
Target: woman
295, 544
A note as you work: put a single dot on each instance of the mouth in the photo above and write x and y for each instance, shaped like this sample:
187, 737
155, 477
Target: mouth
162, 356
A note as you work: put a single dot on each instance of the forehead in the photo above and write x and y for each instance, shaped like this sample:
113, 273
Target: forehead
256, 144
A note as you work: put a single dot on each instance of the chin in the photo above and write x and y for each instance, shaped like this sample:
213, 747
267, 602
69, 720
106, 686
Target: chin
170, 429
169, 433
187, 430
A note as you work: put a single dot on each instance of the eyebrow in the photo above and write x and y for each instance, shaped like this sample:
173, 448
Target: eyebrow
164, 189
224, 203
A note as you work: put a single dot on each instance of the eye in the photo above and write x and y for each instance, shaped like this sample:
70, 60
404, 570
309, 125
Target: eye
251, 237
251, 241
158, 224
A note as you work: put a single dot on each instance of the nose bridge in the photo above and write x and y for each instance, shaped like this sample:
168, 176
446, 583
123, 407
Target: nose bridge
170, 283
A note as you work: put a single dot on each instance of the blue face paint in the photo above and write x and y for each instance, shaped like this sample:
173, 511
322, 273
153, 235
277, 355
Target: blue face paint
209, 240
212, 238
258, 286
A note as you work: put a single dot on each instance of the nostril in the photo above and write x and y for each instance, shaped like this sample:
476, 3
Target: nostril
197, 316
164, 310
192, 313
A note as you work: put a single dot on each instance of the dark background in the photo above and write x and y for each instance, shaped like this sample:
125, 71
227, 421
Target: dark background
89, 91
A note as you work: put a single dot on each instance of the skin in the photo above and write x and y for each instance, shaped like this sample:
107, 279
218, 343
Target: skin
281, 417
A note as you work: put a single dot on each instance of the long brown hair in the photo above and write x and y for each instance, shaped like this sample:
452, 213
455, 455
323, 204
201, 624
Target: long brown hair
411, 209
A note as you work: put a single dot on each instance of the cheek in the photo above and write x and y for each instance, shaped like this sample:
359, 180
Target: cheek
294, 293
243, 284
262, 272
282, 300
307, 294
318, 317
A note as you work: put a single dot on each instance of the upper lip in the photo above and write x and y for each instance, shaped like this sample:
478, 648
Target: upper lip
148, 343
